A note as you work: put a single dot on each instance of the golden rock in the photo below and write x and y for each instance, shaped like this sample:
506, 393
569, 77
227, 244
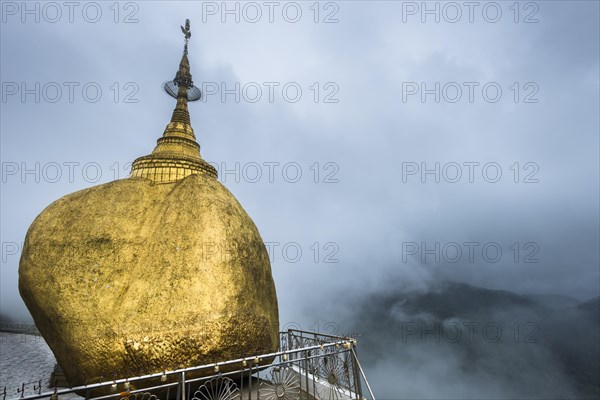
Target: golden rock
158, 271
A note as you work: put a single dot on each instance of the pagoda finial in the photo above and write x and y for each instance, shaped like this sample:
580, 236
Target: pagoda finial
182, 85
177, 154
188, 34
183, 77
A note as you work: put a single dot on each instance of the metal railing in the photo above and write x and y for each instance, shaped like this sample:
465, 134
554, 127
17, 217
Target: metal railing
308, 366
19, 327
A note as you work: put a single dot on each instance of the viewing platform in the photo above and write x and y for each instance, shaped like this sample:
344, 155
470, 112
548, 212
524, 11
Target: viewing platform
308, 366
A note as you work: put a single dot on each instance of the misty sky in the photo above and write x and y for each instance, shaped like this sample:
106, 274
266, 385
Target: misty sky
501, 99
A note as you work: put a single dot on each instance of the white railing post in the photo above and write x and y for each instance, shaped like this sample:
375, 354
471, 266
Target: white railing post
182, 383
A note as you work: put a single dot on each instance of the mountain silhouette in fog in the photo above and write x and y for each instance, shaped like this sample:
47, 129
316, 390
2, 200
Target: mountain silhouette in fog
542, 351
592, 306
555, 301
458, 299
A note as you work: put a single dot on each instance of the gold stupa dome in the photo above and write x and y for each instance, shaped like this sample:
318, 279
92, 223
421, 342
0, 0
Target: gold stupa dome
158, 271
177, 154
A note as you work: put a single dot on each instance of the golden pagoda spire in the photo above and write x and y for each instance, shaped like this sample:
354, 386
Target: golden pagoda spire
177, 154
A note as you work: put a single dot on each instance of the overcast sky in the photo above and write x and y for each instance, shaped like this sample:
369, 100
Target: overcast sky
501, 100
